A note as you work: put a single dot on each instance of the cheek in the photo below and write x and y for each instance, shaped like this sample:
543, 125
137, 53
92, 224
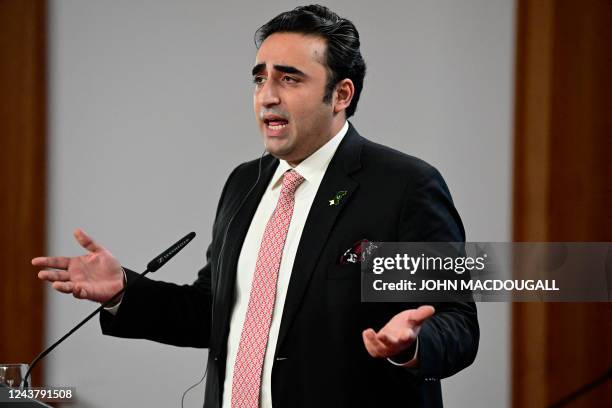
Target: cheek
255, 105
309, 109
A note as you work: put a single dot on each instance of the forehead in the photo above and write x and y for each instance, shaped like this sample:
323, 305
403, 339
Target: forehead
292, 49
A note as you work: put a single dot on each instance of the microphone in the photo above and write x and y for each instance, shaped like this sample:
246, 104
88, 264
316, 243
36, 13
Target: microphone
165, 256
152, 266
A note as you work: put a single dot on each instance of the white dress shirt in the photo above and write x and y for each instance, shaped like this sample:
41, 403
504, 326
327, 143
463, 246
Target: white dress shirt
312, 169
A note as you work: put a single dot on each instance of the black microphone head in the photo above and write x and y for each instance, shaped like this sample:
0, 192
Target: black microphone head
165, 256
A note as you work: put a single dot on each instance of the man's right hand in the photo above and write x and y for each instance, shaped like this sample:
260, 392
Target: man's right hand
96, 275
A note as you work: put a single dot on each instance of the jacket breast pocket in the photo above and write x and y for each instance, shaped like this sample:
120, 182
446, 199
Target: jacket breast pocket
344, 271
343, 288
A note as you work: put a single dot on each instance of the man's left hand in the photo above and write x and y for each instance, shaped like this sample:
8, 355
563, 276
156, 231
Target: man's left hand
398, 334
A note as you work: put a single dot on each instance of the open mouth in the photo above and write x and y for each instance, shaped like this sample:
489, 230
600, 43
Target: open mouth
276, 123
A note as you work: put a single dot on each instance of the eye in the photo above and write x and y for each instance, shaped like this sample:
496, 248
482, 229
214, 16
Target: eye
258, 80
289, 79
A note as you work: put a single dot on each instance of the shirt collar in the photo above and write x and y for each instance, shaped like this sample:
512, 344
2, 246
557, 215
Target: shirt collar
313, 166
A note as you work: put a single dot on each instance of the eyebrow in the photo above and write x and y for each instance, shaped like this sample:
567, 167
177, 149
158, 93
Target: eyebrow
287, 69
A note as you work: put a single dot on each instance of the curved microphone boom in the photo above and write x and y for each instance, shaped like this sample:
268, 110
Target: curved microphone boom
152, 266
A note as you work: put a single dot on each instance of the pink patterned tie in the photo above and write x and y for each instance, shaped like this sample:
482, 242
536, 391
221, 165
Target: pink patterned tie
246, 382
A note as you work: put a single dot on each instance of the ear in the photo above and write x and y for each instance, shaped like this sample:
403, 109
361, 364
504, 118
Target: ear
343, 95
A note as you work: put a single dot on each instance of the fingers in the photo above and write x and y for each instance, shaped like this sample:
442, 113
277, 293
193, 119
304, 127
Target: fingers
421, 314
376, 348
369, 340
69, 287
64, 287
60, 262
404, 338
86, 242
53, 276
383, 345
79, 291
398, 334
395, 343
391, 341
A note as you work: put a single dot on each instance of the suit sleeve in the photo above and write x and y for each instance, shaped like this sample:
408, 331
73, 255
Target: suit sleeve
448, 341
178, 315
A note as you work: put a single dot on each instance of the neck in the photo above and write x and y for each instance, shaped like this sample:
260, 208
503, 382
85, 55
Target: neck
334, 130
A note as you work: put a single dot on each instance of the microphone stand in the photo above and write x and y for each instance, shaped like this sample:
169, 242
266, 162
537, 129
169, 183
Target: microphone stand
77, 327
152, 266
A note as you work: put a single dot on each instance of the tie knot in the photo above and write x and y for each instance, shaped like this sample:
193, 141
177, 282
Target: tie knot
291, 181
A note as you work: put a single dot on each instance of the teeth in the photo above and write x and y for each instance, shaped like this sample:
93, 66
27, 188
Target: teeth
277, 127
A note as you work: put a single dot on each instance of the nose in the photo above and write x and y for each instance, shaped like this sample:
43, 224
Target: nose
268, 94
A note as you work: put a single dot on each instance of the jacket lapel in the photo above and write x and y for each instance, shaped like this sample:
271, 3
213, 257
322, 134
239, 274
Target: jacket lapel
320, 221
233, 244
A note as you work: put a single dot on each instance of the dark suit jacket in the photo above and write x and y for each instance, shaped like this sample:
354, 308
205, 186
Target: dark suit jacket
320, 357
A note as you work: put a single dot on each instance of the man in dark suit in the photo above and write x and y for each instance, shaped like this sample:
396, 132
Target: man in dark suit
279, 312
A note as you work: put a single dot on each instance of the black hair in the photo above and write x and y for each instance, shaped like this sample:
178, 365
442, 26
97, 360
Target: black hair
343, 56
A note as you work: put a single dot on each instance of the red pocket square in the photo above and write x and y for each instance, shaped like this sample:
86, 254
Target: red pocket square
357, 253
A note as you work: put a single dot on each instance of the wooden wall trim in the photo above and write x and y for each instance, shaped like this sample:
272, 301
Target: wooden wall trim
22, 176
533, 106
534, 54
562, 189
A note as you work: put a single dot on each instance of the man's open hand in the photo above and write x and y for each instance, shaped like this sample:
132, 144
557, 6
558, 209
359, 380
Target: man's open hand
96, 275
398, 334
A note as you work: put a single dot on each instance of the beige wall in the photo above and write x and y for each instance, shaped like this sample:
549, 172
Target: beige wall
150, 109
